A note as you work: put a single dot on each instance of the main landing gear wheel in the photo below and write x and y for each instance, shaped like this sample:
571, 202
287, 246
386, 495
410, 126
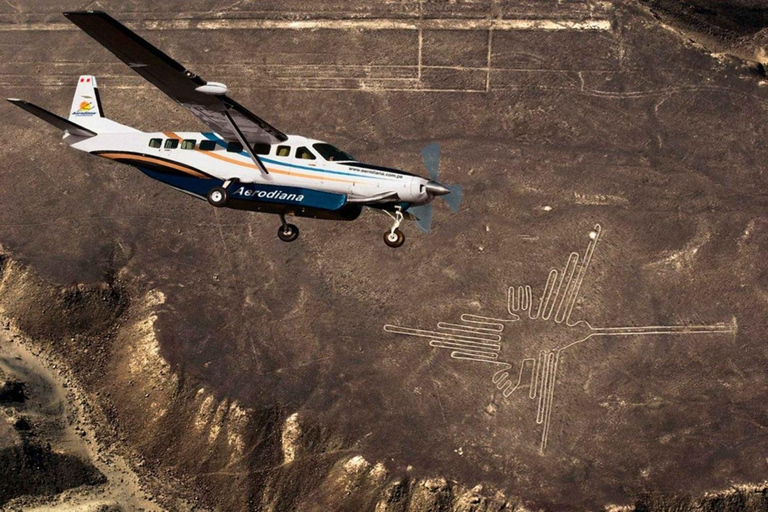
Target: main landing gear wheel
218, 196
287, 232
394, 238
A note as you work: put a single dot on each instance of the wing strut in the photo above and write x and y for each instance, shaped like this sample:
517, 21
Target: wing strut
245, 143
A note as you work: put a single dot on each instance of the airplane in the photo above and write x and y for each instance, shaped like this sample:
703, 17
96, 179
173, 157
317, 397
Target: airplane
244, 162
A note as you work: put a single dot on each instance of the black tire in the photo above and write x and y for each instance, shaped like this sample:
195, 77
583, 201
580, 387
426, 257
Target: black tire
395, 239
218, 196
289, 233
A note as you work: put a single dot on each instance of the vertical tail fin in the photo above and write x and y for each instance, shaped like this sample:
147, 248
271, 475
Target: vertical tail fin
86, 104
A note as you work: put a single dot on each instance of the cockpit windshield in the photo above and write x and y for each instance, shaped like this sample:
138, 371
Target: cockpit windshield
332, 153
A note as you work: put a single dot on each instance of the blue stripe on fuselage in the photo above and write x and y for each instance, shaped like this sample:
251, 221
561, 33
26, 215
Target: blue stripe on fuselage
253, 192
196, 186
211, 136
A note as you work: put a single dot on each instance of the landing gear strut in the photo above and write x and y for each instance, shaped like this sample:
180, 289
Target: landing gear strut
393, 237
287, 232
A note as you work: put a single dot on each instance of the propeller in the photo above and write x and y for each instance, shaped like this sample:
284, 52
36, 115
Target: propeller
451, 194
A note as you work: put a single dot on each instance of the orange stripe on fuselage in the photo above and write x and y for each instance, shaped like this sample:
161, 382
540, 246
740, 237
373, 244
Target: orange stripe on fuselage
271, 170
157, 161
211, 154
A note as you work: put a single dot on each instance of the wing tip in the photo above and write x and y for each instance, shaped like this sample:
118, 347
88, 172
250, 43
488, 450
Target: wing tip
74, 15
83, 13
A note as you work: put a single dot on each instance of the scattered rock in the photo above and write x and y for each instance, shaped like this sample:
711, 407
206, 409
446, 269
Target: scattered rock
22, 424
12, 391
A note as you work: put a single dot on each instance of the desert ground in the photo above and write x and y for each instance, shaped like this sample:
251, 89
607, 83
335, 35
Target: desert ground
605, 273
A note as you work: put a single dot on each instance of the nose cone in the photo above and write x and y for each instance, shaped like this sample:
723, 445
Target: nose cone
435, 189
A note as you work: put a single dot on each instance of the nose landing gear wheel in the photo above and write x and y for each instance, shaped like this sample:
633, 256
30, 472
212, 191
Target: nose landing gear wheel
288, 233
394, 238
218, 196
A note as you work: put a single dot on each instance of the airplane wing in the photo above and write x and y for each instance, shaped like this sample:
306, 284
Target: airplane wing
210, 105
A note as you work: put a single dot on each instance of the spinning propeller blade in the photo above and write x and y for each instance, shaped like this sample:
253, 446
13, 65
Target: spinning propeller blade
423, 214
431, 156
454, 198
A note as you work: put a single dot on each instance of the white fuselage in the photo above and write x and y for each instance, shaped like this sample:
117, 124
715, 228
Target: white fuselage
285, 167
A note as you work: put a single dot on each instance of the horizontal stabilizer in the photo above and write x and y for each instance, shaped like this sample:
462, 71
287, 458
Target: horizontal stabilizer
50, 117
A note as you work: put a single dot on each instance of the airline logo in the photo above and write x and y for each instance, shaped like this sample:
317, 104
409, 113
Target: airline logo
275, 195
85, 109
290, 196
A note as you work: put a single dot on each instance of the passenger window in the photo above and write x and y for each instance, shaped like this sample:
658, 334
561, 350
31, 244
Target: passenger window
207, 145
155, 143
283, 151
304, 154
261, 149
234, 147
188, 144
171, 143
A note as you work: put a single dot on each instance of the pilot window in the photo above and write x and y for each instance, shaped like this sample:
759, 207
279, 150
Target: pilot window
155, 143
332, 153
171, 143
304, 154
207, 145
234, 147
283, 151
188, 144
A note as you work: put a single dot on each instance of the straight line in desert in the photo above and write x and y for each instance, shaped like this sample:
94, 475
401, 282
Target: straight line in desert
348, 24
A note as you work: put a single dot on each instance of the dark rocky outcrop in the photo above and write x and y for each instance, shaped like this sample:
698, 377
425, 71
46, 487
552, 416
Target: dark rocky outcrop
30, 469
